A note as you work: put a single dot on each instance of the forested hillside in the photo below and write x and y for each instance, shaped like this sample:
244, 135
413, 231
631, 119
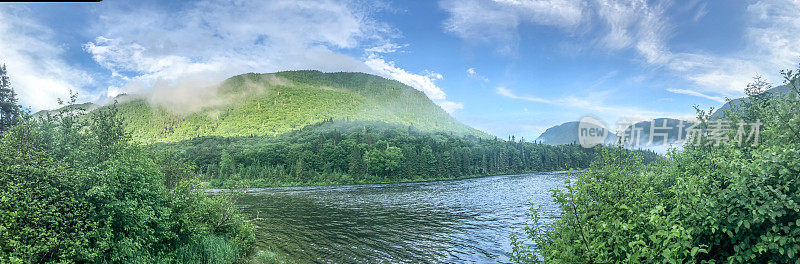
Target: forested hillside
309, 127
275, 103
342, 152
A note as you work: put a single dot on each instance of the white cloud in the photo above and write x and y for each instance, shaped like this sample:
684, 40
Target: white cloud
472, 73
451, 107
498, 20
214, 39
637, 24
696, 93
35, 64
222, 38
771, 45
425, 83
386, 48
595, 103
510, 94
770, 28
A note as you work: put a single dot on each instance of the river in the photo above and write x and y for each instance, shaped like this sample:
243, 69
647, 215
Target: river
459, 221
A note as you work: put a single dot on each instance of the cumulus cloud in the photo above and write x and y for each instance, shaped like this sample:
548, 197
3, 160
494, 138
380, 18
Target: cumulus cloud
423, 82
211, 40
35, 62
186, 52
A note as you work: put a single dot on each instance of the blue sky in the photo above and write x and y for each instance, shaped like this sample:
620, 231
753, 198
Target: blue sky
507, 67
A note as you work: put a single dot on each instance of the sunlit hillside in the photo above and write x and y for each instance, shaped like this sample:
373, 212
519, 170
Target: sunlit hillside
275, 103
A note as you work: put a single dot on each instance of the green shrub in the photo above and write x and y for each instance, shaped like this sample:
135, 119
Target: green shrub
727, 203
75, 190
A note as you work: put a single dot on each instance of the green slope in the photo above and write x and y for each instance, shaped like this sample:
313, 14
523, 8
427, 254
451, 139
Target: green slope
274, 103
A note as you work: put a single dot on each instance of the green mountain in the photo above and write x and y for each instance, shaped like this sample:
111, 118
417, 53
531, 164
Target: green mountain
274, 103
734, 103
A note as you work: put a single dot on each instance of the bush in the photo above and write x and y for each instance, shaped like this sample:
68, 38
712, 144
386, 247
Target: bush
73, 189
727, 203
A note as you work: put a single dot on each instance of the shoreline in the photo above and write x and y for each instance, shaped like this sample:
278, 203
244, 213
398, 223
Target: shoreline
311, 185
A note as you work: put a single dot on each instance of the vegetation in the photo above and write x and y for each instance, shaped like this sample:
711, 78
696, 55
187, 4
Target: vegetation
734, 202
344, 152
76, 190
9, 110
275, 103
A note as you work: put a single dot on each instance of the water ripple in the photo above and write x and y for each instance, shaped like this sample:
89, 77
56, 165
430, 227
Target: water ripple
462, 221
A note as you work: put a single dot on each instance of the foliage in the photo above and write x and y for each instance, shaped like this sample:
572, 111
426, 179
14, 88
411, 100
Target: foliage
275, 103
737, 202
9, 110
75, 190
344, 152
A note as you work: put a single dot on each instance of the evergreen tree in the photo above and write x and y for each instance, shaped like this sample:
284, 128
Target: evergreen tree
357, 166
9, 110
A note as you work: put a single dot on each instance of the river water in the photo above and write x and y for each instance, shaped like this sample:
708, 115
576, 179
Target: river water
459, 221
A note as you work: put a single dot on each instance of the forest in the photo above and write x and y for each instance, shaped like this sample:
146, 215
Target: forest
347, 152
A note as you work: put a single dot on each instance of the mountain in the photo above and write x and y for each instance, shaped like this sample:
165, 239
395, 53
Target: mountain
664, 131
566, 133
83, 106
274, 103
720, 113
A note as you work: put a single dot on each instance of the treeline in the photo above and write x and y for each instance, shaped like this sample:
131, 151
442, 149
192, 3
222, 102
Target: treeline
345, 151
735, 200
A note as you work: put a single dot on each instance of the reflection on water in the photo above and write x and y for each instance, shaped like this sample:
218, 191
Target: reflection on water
445, 221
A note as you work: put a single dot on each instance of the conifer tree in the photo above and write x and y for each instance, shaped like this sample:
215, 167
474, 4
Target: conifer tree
9, 110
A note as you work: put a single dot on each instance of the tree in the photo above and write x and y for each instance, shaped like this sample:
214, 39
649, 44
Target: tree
357, 166
9, 110
385, 162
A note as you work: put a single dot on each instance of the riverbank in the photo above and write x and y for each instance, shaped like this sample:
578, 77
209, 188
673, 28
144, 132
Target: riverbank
250, 184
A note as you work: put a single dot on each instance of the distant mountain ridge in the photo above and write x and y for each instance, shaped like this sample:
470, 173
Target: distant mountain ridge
638, 135
655, 132
273, 103
567, 133
728, 106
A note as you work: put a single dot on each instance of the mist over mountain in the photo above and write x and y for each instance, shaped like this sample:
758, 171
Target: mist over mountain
274, 103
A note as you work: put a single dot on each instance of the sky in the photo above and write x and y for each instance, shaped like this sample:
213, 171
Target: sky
506, 67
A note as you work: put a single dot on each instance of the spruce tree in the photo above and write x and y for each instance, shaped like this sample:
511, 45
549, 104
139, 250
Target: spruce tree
9, 110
